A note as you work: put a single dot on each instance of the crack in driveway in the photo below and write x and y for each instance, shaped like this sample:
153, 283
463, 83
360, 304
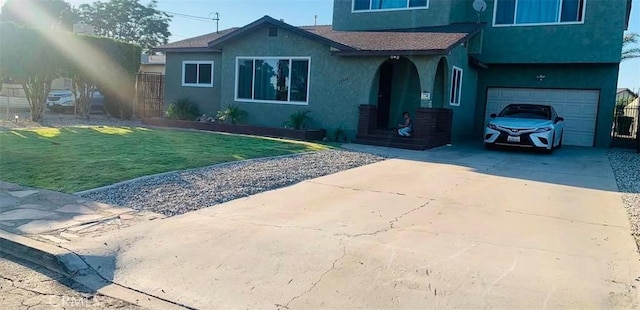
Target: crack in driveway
364, 190
333, 266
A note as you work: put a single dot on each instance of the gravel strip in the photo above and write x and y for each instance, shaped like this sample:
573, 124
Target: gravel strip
626, 167
181, 192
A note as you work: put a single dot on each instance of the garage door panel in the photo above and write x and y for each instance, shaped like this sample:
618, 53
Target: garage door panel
578, 107
578, 139
580, 126
538, 96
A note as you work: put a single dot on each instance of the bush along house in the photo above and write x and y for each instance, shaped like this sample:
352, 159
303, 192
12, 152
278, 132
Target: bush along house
450, 64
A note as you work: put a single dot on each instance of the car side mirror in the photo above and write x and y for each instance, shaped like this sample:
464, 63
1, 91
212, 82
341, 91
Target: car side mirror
493, 115
559, 119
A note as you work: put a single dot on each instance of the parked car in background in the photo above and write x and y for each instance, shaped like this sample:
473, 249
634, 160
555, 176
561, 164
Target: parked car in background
525, 125
63, 101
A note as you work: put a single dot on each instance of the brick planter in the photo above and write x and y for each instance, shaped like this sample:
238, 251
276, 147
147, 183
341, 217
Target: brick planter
244, 129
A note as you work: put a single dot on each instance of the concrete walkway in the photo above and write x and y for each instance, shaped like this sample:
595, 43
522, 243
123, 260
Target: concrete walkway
450, 228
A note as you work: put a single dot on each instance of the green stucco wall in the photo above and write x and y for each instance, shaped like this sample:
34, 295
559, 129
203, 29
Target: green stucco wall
436, 15
462, 12
595, 77
338, 85
463, 115
598, 40
207, 98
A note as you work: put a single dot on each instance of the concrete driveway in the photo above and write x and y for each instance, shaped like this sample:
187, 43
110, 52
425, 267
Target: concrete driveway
457, 227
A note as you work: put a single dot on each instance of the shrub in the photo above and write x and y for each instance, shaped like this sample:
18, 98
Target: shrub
339, 135
183, 109
299, 120
231, 114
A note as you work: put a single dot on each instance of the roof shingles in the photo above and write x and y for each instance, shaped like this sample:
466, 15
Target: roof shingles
197, 42
390, 41
435, 39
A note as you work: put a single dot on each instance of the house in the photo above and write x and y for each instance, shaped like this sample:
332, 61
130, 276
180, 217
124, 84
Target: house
624, 96
152, 64
449, 63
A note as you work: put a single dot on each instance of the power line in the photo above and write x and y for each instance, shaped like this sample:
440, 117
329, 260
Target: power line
188, 16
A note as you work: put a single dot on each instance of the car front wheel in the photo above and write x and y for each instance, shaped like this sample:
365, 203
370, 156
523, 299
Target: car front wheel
561, 136
550, 149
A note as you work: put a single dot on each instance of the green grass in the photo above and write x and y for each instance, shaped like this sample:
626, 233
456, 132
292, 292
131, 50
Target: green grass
72, 159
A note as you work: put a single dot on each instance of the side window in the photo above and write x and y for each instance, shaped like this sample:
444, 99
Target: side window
456, 86
197, 73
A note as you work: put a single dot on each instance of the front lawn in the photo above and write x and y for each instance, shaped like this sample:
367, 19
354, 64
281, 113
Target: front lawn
72, 159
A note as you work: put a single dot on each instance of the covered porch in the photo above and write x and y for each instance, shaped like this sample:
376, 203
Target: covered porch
399, 86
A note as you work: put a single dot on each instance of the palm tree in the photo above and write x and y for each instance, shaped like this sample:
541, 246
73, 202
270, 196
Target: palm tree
629, 52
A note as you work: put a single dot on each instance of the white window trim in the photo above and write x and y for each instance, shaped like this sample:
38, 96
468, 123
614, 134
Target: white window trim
558, 23
291, 58
197, 62
353, 8
453, 76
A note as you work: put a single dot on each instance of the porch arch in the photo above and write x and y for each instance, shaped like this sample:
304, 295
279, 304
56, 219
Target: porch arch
440, 82
395, 88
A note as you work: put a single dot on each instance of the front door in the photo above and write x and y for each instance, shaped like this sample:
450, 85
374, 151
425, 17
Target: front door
384, 94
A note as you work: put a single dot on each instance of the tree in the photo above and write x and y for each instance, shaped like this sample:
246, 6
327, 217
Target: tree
27, 58
31, 57
629, 52
101, 63
48, 14
128, 21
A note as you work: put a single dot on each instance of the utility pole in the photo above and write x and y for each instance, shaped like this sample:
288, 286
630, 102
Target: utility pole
216, 19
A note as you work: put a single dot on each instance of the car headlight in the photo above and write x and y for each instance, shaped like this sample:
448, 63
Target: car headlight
543, 129
492, 126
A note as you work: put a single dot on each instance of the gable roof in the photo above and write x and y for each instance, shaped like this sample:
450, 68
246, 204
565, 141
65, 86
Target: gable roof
417, 41
267, 20
622, 90
195, 44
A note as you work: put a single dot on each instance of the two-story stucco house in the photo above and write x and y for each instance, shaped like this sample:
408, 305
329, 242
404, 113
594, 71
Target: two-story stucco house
445, 62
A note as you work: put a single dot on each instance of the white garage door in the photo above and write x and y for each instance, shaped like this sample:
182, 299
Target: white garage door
578, 107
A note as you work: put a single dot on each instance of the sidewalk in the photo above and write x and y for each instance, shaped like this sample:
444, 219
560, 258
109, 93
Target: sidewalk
37, 225
60, 218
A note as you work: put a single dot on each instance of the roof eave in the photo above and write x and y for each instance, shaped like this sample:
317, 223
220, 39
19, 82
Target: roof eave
186, 50
390, 52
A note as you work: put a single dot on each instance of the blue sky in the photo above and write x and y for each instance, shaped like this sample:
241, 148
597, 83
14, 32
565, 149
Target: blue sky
235, 13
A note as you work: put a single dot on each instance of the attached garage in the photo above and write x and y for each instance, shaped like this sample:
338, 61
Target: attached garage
578, 107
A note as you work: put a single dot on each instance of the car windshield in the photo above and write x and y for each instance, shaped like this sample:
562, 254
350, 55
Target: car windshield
526, 111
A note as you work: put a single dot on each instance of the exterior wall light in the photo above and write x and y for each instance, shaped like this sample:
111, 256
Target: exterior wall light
394, 57
541, 77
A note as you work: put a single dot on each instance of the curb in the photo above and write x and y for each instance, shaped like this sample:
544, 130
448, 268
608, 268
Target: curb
72, 266
142, 178
51, 257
